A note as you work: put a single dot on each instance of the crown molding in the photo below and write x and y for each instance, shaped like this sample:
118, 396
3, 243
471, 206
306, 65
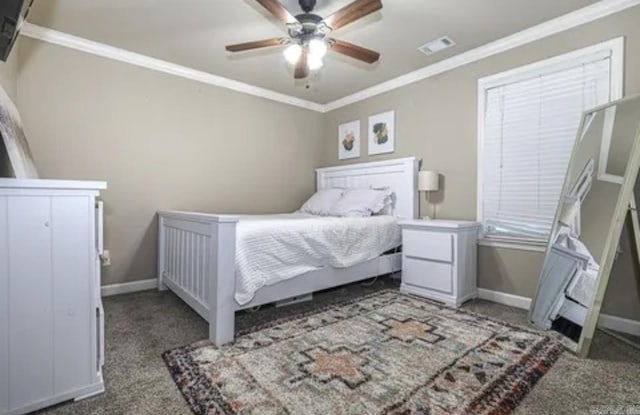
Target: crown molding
568, 21
99, 49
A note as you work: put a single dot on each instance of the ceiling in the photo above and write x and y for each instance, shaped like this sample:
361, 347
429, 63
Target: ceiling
193, 33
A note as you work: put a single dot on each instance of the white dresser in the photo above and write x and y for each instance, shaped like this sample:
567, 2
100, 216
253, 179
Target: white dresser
439, 260
51, 319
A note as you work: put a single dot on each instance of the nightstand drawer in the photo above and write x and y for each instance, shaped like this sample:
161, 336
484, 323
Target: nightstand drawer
428, 245
426, 274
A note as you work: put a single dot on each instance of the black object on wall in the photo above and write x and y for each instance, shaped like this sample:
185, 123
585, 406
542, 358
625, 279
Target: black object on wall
12, 15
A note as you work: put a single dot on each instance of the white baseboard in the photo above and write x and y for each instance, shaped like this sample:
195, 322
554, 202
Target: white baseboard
499, 297
607, 321
623, 325
129, 287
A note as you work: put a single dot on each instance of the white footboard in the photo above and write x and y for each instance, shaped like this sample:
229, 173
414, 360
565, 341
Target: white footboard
196, 260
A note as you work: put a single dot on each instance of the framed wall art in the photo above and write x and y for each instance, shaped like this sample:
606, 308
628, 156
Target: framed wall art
349, 140
382, 133
15, 154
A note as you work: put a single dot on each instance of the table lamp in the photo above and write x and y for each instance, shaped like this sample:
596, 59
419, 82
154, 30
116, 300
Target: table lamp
428, 181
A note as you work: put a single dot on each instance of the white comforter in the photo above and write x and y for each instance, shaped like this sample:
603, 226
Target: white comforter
273, 248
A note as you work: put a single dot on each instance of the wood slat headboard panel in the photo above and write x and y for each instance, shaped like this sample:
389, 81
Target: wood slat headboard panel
400, 175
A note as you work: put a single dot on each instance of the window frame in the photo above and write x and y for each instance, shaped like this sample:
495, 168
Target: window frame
613, 48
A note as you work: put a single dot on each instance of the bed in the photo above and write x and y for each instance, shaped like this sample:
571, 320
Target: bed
213, 263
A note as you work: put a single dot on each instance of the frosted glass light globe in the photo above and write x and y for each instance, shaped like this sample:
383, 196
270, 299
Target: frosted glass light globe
314, 62
318, 47
292, 53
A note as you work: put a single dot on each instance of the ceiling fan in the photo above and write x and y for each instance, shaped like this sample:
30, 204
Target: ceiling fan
308, 40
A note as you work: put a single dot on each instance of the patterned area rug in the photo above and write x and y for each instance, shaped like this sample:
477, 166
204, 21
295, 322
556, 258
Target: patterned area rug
387, 353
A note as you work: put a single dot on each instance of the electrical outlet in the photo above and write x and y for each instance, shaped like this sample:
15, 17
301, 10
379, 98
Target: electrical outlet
105, 258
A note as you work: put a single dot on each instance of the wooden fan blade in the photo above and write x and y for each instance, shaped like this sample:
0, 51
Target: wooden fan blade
355, 51
255, 45
302, 67
277, 9
352, 12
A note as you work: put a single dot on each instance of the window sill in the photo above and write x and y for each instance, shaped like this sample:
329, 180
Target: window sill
513, 244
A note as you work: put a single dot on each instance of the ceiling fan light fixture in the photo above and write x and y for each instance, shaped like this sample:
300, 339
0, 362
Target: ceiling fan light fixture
292, 53
318, 47
315, 62
308, 41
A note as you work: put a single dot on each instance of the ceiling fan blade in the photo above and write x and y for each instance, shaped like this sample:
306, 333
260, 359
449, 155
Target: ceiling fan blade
302, 67
355, 51
277, 9
352, 12
256, 44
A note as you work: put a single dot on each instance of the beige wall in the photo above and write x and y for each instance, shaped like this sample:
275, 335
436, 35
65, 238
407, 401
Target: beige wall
161, 142
623, 290
436, 120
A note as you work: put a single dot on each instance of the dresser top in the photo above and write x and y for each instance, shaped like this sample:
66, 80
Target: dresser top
438, 223
51, 184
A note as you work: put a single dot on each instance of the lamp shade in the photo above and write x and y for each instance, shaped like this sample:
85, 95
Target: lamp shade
428, 181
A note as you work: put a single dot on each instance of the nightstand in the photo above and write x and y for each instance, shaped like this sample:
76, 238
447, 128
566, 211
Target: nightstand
439, 260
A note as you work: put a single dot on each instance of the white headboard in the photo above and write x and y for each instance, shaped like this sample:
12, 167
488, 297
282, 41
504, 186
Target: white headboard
400, 175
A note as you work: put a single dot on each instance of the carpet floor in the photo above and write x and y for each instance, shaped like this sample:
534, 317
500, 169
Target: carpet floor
141, 326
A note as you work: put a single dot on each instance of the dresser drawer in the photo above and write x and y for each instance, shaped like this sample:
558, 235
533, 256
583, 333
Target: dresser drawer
436, 246
426, 274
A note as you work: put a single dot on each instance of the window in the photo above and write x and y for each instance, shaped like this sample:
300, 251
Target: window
528, 120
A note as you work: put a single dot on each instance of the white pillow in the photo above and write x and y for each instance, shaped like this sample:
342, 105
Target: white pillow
322, 201
360, 203
389, 203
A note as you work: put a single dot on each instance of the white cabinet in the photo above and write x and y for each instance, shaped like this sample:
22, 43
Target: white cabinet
50, 309
439, 259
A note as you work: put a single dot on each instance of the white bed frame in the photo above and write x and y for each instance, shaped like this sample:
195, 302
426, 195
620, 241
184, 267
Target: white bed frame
196, 251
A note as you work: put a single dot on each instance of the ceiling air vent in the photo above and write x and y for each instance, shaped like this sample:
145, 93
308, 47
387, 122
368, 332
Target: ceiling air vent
437, 45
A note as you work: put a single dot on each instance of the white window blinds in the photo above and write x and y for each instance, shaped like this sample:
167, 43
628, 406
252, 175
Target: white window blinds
530, 125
